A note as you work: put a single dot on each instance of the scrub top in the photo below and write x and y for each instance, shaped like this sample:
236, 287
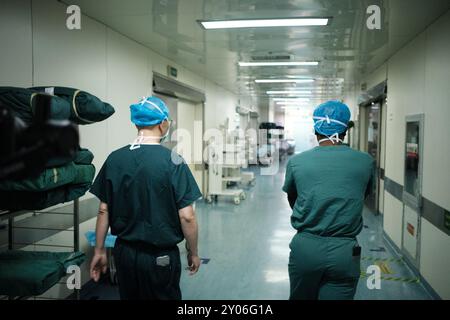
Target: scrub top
330, 184
144, 189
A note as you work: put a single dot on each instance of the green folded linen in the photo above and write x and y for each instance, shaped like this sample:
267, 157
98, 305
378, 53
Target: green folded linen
24, 200
85, 107
29, 273
22, 103
49, 179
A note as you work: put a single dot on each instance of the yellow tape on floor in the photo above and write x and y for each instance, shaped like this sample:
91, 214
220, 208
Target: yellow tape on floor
384, 267
398, 279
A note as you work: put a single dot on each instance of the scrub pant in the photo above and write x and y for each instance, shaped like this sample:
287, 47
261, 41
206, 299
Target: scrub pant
323, 268
140, 278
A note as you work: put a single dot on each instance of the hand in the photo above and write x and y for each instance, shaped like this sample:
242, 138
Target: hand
193, 263
99, 264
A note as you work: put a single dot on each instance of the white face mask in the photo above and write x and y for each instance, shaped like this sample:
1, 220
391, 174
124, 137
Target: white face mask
164, 137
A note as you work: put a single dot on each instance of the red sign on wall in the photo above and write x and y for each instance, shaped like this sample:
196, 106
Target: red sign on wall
410, 229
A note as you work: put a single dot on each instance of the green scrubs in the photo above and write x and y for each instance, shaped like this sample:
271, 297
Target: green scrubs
144, 189
329, 184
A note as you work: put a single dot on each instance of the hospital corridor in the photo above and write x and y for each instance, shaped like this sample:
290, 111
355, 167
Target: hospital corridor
235, 157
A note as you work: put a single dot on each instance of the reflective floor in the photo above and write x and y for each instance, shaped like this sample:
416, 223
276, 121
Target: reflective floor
248, 248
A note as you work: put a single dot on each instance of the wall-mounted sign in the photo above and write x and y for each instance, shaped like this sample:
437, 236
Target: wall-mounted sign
172, 72
410, 229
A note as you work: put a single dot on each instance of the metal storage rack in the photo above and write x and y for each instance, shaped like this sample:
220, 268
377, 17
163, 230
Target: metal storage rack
10, 216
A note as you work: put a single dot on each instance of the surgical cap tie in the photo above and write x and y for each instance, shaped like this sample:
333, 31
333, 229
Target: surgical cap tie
146, 100
328, 120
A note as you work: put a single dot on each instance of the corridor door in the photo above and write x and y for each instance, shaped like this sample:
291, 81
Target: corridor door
190, 137
373, 147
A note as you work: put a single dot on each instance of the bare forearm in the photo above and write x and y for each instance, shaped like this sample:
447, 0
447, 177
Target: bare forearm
101, 228
190, 231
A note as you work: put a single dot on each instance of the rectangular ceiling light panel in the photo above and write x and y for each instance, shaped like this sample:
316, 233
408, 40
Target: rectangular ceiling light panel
278, 63
263, 23
284, 80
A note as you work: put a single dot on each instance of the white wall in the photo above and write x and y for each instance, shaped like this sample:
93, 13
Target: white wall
129, 77
16, 49
41, 51
73, 59
392, 218
96, 59
418, 83
436, 185
279, 117
435, 258
263, 113
376, 76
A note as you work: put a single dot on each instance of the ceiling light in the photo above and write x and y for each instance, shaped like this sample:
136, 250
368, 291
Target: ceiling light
284, 80
278, 63
260, 23
291, 99
302, 104
289, 92
297, 100
291, 107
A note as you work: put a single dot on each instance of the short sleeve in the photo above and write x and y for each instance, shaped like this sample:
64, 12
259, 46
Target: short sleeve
99, 187
185, 188
289, 182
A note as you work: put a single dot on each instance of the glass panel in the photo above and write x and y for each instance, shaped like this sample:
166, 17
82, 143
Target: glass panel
412, 158
373, 131
373, 138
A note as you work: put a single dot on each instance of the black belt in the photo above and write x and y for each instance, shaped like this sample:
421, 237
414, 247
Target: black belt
143, 246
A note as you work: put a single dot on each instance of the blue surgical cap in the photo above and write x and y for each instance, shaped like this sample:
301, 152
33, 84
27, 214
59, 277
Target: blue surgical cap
149, 111
331, 118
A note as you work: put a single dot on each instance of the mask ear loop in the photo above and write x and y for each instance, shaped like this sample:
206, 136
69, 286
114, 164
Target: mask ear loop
137, 142
333, 138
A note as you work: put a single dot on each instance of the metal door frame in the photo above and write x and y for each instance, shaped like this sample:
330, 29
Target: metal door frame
204, 181
364, 112
415, 203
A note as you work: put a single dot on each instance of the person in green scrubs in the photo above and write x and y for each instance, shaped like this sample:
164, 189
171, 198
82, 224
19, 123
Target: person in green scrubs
326, 188
146, 194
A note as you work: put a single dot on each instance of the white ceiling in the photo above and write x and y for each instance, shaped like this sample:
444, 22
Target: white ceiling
345, 48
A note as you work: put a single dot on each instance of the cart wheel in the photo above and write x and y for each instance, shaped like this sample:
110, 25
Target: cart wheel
237, 200
243, 196
209, 199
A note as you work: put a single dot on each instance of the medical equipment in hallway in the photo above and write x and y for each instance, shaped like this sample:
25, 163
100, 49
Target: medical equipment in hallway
226, 158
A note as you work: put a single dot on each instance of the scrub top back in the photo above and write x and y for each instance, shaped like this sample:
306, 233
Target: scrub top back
144, 189
330, 183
